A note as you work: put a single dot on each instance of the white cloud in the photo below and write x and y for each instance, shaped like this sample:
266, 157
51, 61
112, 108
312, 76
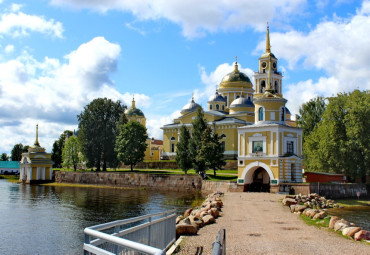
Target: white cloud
155, 122
340, 48
20, 24
9, 48
199, 17
52, 93
15, 7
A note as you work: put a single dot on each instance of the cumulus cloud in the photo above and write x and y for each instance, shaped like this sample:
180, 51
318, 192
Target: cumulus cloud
18, 24
339, 47
9, 48
52, 93
155, 122
199, 17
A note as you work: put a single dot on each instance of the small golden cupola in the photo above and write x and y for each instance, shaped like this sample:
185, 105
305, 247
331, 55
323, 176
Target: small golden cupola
235, 81
216, 102
136, 114
268, 100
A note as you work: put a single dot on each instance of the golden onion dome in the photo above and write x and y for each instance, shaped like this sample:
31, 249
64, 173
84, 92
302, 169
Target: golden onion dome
234, 77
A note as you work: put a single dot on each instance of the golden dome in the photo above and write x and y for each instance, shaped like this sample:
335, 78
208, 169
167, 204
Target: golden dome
236, 79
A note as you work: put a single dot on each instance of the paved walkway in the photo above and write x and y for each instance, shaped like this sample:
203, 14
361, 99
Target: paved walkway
256, 223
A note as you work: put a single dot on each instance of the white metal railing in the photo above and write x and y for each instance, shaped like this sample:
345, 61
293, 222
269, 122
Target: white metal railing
148, 234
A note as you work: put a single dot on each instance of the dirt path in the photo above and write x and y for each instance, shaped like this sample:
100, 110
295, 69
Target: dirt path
256, 223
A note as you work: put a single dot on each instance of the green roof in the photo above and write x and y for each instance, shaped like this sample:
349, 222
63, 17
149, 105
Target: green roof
134, 112
9, 164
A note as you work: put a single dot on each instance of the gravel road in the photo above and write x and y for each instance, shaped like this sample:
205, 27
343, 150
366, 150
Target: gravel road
256, 223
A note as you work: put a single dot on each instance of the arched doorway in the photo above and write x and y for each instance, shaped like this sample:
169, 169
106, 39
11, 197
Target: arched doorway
261, 181
257, 177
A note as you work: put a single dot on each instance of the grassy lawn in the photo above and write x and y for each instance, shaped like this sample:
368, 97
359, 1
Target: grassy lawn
353, 202
320, 223
221, 175
11, 178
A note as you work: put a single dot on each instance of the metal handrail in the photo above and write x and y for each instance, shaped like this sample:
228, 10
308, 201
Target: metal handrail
95, 237
219, 246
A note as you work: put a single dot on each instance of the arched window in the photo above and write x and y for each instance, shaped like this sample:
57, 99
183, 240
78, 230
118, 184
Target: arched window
237, 96
223, 107
223, 136
282, 114
217, 107
276, 87
260, 113
173, 138
263, 86
172, 147
223, 145
210, 107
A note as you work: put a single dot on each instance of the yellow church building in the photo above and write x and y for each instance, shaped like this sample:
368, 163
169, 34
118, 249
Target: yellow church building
254, 124
154, 147
36, 164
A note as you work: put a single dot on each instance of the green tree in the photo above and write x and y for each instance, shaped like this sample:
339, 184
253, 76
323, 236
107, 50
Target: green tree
71, 152
183, 155
58, 145
98, 131
25, 148
310, 115
341, 141
131, 143
4, 157
17, 151
199, 126
215, 158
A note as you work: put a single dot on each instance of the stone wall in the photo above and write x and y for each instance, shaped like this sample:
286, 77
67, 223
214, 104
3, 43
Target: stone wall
176, 182
213, 186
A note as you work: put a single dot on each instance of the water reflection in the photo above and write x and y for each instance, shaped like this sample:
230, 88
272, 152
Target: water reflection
360, 215
50, 220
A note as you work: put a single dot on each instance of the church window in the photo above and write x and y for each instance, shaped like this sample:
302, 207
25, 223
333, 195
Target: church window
292, 177
173, 138
260, 114
172, 147
237, 96
263, 86
290, 147
223, 107
217, 107
276, 87
223, 136
210, 107
283, 114
223, 145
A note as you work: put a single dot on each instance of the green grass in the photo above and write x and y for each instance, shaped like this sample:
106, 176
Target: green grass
352, 202
320, 223
10, 178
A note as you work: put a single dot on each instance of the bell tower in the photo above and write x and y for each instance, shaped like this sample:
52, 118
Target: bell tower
268, 77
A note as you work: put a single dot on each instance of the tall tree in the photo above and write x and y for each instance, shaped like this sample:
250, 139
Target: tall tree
199, 126
71, 152
183, 155
58, 145
215, 158
310, 115
131, 143
4, 157
17, 151
98, 131
341, 141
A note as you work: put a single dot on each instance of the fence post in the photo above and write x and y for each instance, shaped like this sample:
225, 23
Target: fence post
87, 241
149, 232
219, 246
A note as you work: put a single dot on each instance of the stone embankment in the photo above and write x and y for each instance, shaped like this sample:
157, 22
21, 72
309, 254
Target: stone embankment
314, 206
193, 219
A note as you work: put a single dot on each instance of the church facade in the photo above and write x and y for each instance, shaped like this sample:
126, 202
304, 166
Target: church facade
254, 124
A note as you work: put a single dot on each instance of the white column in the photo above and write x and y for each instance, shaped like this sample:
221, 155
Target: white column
43, 173
29, 176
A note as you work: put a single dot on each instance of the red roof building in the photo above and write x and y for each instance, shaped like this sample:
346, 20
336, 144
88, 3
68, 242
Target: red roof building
324, 177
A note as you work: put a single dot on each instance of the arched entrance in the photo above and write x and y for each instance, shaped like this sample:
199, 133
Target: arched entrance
261, 181
257, 177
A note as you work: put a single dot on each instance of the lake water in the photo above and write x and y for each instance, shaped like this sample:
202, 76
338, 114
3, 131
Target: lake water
50, 220
359, 215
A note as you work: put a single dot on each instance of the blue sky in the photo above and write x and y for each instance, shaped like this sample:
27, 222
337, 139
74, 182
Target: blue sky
58, 55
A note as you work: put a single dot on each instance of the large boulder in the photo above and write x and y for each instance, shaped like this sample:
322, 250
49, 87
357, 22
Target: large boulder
289, 201
188, 212
214, 212
313, 213
320, 215
185, 229
350, 231
333, 219
179, 218
362, 235
208, 219
340, 225
204, 213
196, 220
297, 208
